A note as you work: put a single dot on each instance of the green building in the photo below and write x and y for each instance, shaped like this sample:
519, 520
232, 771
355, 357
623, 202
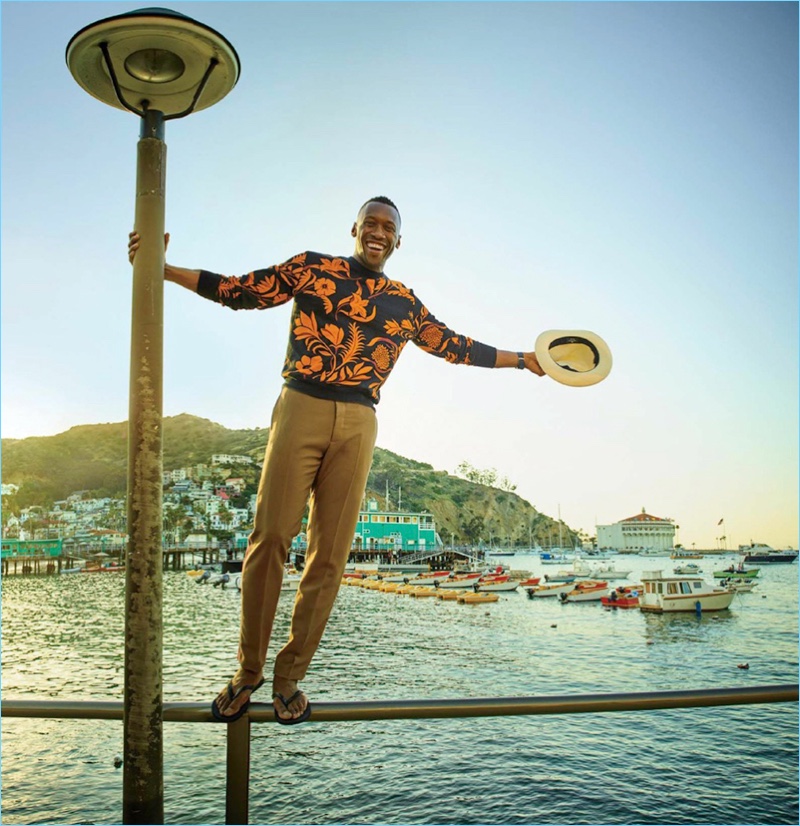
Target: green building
388, 531
31, 547
394, 531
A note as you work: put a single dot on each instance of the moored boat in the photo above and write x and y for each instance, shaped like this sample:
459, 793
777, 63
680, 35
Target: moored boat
608, 572
564, 575
742, 585
623, 596
422, 591
675, 593
758, 552
459, 580
586, 590
475, 597
101, 568
687, 568
428, 579
737, 571
554, 590
679, 553
497, 583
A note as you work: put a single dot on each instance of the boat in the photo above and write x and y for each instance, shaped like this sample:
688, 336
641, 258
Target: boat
291, 581
675, 593
608, 572
100, 568
760, 553
623, 596
497, 584
738, 571
687, 568
680, 553
587, 590
430, 578
742, 585
449, 594
554, 590
553, 558
531, 580
422, 591
474, 597
563, 575
459, 580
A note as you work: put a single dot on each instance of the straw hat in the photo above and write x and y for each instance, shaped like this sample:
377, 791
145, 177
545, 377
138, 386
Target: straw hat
574, 357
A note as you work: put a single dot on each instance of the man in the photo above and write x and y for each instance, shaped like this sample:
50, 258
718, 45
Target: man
349, 324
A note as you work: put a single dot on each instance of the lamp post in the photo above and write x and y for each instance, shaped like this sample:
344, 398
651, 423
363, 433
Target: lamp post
160, 65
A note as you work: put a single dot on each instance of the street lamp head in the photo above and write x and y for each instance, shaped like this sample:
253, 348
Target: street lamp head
153, 59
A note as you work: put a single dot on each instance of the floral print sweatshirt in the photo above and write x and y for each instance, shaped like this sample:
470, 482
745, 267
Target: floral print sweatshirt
349, 324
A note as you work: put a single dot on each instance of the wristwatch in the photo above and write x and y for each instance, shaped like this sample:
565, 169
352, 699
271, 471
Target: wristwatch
520, 361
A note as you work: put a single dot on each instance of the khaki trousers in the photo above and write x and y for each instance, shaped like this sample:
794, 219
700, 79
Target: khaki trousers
323, 449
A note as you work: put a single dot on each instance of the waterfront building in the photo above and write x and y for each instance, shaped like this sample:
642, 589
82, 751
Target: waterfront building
31, 547
388, 531
638, 533
394, 530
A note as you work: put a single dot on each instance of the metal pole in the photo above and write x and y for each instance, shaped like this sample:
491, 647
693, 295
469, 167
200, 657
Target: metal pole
237, 784
143, 776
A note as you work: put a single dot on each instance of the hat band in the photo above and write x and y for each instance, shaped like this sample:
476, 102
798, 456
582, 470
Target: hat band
576, 340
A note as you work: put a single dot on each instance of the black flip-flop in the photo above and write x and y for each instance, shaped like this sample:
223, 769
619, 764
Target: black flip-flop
291, 721
232, 695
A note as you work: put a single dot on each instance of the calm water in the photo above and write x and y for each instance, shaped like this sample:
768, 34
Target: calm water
62, 638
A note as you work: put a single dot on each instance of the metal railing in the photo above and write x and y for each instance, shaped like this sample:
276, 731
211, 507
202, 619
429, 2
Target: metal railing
238, 739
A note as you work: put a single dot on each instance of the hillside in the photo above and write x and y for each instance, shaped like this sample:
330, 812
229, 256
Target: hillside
94, 458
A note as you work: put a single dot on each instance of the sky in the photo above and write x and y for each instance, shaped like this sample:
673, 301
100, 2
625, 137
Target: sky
627, 168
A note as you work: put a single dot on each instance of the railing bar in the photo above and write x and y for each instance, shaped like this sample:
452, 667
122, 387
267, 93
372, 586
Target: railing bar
418, 709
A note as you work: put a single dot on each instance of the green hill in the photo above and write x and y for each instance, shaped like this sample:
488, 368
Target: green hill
93, 458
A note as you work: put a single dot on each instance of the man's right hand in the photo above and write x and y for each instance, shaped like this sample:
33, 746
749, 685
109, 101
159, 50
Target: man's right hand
133, 244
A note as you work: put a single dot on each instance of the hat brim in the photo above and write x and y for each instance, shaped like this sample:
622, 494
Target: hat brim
577, 358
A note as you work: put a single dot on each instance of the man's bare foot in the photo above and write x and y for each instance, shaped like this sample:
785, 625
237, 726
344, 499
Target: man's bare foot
237, 692
289, 701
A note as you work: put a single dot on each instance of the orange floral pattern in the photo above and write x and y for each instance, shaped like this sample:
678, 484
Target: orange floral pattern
349, 324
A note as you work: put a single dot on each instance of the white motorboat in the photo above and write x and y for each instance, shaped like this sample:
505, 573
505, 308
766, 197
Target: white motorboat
586, 591
761, 553
608, 572
554, 590
677, 593
741, 585
459, 581
564, 575
503, 583
554, 557
431, 578
291, 582
687, 568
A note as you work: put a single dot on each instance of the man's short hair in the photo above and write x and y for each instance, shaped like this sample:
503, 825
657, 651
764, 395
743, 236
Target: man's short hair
381, 199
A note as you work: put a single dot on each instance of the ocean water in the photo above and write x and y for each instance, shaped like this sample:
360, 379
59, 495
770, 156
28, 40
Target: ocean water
62, 637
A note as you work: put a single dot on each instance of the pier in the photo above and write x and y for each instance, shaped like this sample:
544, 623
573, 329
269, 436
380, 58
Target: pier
47, 557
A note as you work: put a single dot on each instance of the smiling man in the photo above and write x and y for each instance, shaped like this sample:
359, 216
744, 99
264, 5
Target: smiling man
349, 325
